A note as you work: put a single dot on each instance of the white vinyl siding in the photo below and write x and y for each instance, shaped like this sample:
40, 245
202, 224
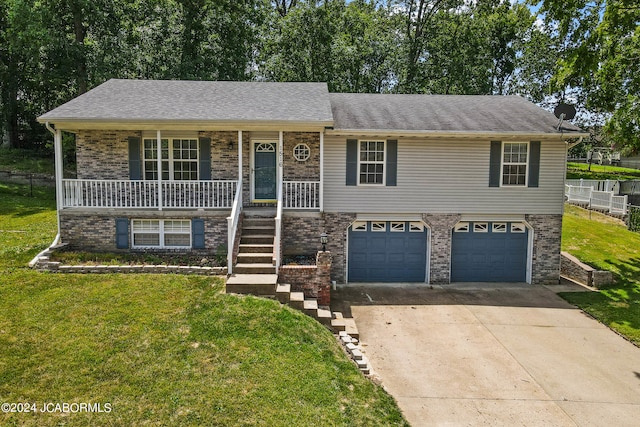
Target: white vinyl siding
444, 176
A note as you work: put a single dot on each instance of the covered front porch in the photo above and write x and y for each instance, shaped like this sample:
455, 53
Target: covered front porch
234, 170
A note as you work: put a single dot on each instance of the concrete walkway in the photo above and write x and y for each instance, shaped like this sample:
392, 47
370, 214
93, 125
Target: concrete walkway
487, 355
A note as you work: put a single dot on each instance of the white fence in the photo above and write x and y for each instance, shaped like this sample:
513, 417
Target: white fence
598, 185
600, 200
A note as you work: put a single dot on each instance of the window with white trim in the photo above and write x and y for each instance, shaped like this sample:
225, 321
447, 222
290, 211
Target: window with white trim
301, 152
518, 228
461, 227
416, 227
359, 226
397, 227
515, 156
379, 226
179, 158
371, 158
480, 227
499, 227
159, 233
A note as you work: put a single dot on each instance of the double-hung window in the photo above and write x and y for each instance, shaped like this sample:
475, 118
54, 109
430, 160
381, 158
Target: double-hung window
179, 158
371, 160
514, 163
158, 233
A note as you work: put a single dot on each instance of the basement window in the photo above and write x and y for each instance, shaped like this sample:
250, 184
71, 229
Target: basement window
159, 233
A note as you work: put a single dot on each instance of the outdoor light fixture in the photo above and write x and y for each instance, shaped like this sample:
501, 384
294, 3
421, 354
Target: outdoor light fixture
324, 239
230, 146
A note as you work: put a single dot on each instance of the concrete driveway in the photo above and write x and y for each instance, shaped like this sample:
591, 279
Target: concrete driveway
509, 355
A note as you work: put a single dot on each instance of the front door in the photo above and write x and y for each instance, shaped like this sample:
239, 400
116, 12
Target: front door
264, 177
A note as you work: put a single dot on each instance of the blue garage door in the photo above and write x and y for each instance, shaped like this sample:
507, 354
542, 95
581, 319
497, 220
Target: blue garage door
387, 251
489, 252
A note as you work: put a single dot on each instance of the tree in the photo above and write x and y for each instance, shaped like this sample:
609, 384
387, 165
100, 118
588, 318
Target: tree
601, 57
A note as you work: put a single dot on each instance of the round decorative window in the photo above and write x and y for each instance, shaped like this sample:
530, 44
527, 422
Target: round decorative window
302, 152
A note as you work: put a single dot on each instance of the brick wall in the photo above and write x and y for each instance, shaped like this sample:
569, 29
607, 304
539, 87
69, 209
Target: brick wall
313, 280
440, 245
103, 154
335, 225
295, 170
224, 161
96, 231
301, 234
547, 236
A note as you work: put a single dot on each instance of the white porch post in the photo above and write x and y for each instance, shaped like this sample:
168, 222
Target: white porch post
59, 168
239, 156
321, 195
280, 158
159, 162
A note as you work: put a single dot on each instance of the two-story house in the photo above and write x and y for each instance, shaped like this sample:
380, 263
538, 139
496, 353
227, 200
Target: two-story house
410, 188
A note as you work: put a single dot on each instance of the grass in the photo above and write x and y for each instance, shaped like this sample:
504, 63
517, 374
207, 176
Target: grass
605, 243
599, 172
161, 349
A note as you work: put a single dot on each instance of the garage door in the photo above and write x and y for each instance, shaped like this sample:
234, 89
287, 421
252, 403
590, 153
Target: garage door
387, 251
489, 252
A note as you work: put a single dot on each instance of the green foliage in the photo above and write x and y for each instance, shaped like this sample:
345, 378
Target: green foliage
633, 222
599, 50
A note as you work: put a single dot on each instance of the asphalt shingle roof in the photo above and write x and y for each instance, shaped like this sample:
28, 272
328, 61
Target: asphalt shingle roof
309, 103
179, 100
442, 113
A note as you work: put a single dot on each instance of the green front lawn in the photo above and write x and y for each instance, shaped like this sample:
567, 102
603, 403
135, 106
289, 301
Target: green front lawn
581, 171
161, 349
605, 243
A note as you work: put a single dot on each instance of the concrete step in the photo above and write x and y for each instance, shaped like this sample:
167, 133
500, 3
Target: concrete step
310, 307
254, 284
259, 212
259, 239
253, 221
257, 268
338, 325
296, 300
323, 316
255, 258
256, 248
283, 293
351, 328
252, 230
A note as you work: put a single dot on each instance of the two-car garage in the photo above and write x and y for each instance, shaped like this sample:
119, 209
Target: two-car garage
398, 251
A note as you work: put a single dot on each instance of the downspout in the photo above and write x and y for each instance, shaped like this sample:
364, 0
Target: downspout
57, 150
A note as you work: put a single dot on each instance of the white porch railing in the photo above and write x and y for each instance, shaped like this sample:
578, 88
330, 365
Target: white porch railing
278, 231
232, 226
301, 194
93, 193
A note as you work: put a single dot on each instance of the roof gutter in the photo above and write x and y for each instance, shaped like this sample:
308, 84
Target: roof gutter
451, 134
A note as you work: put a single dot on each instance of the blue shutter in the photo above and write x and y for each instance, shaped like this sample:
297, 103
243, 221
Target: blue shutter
197, 232
534, 163
122, 233
205, 158
352, 162
392, 162
135, 158
494, 164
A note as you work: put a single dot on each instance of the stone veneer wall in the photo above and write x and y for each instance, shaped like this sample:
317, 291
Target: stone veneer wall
96, 231
547, 236
224, 161
103, 154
